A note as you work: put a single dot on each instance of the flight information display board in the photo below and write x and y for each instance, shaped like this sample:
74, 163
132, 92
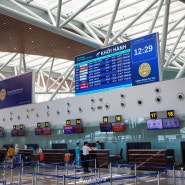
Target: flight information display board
127, 64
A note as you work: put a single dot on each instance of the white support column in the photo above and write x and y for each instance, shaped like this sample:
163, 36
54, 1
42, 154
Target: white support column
10, 60
59, 12
111, 22
50, 71
165, 29
132, 22
76, 13
174, 47
42, 65
64, 79
156, 16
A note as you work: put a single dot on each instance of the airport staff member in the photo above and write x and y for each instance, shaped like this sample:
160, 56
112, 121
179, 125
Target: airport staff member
85, 150
78, 153
98, 146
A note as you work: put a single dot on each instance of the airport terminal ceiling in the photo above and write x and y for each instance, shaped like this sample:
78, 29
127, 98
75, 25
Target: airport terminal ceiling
44, 36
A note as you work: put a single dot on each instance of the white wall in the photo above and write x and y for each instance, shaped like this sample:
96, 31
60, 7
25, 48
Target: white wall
169, 91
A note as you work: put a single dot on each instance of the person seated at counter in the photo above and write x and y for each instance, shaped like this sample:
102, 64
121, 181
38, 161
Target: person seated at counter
98, 146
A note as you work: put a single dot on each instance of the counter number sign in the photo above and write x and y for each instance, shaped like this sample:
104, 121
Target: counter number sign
118, 118
170, 113
68, 122
105, 119
153, 115
78, 121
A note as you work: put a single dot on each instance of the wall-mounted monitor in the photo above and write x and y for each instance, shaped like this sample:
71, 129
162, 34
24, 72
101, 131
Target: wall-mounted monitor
38, 131
131, 63
46, 131
14, 133
68, 129
78, 128
169, 123
105, 127
154, 124
1, 134
21, 132
118, 127
59, 146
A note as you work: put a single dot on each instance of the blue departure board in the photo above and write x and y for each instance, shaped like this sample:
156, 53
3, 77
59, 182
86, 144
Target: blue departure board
134, 62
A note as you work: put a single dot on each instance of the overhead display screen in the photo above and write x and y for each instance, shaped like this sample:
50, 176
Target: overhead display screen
154, 124
127, 64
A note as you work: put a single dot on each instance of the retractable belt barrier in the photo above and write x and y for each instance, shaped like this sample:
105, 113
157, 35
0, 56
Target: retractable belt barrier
92, 179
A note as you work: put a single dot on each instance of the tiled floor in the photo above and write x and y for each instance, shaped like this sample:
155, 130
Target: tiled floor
125, 176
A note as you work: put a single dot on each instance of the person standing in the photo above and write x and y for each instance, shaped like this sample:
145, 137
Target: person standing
16, 149
78, 154
98, 146
10, 152
85, 150
38, 149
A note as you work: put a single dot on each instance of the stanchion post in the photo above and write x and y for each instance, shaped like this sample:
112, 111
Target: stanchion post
75, 175
98, 173
158, 178
174, 181
64, 180
135, 173
57, 174
66, 167
11, 172
33, 179
37, 171
4, 171
19, 183
95, 166
110, 173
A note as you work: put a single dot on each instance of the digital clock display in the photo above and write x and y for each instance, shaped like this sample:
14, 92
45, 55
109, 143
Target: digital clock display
130, 63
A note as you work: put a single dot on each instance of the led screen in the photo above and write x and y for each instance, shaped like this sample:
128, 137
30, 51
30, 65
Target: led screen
78, 128
14, 133
38, 131
118, 127
171, 123
127, 64
21, 132
1, 134
154, 124
68, 130
105, 127
46, 131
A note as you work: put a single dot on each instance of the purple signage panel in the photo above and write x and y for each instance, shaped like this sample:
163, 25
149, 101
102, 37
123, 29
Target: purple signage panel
17, 90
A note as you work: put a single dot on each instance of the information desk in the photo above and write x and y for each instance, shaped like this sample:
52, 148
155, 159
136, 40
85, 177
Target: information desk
146, 158
101, 156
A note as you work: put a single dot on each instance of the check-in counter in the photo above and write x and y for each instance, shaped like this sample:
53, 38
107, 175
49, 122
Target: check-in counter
26, 155
54, 155
101, 156
151, 157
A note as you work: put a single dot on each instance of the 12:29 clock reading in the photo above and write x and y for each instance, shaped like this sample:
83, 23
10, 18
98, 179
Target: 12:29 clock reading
146, 49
